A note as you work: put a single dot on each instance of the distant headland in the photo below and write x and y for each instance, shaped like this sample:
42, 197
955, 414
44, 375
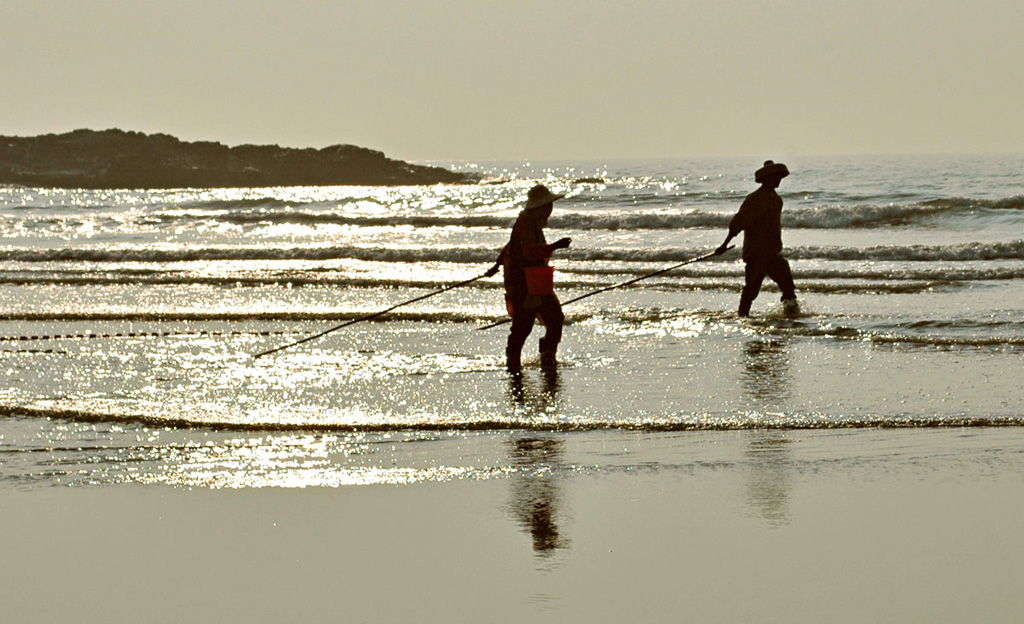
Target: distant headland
111, 159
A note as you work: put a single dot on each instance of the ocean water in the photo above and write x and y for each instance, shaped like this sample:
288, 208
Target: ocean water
129, 320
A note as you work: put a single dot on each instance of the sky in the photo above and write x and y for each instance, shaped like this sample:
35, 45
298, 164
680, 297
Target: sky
516, 79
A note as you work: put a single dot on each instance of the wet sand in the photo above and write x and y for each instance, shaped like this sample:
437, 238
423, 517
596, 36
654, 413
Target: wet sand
867, 525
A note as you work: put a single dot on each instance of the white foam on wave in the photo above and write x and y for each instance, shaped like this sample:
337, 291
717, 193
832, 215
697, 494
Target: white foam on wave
1008, 250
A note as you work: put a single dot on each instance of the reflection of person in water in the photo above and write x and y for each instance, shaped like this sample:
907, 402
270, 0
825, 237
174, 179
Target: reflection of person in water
766, 370
536, 458
766, 377
531, 401
535, 489
769, 466
760, 220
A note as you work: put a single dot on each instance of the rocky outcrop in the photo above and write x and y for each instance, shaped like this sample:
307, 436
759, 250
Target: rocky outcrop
118, 159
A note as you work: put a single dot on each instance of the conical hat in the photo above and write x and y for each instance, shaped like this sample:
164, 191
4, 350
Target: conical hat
540, 196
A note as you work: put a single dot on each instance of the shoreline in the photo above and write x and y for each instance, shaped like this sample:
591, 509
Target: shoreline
498, 427
795, 526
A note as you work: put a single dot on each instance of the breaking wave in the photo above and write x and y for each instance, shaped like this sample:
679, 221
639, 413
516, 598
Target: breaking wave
1010, 250
681, 217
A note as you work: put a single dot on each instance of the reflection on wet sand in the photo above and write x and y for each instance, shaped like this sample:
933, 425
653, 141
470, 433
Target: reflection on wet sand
537, 460
767, 380
768, 483
536, 491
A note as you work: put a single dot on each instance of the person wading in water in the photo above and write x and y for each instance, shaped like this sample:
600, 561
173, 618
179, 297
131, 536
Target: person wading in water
529, 289
760, 220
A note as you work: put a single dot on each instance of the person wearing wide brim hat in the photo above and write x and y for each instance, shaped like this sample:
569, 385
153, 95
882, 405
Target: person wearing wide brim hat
771, 170
540, 197
529, 285
760, 220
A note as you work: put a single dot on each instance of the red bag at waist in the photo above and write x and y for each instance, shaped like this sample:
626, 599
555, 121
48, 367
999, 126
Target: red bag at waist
540, 280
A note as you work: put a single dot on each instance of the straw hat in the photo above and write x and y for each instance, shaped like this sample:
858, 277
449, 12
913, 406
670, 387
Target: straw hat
539, 196
769, 170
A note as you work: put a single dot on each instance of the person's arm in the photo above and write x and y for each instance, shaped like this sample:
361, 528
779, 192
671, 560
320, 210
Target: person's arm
735, 227
724, 247
497, 263
538, 252
562, 243
738, 223
535, 248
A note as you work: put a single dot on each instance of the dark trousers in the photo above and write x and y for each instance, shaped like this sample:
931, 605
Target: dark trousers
776, 268
550, 311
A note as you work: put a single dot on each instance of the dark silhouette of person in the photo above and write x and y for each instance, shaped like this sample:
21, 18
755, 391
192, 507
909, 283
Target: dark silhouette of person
760, 220
529, 290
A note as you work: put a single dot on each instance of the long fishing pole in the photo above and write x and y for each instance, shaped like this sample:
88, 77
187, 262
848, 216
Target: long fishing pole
369, 316
626, 283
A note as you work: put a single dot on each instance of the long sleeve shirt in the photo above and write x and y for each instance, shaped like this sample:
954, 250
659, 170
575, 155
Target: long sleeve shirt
760, 220
526, 247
